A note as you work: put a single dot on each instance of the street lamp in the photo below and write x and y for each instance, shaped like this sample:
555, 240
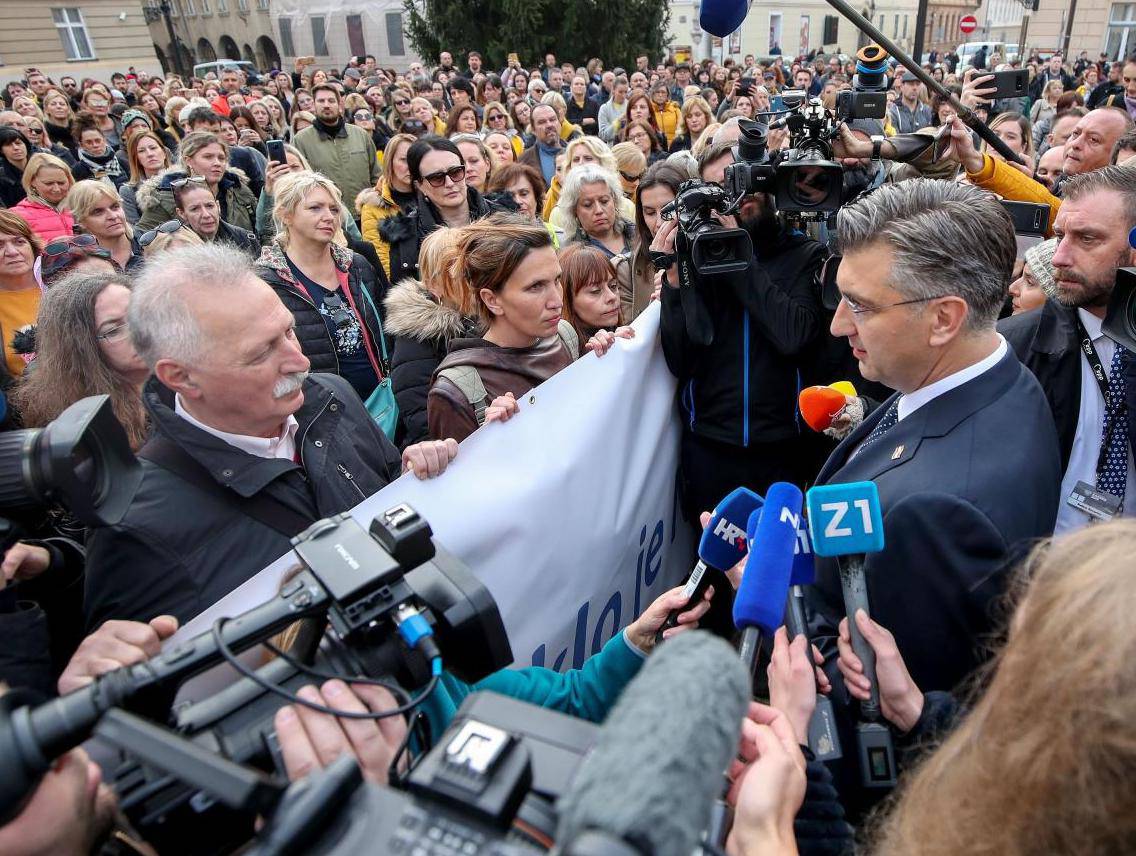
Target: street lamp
164, 11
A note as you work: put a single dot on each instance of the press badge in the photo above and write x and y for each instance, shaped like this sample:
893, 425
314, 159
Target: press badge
1096, 503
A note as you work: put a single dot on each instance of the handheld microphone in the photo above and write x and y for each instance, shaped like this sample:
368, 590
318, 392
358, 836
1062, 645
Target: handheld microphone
823, 737
820, 404
722, 17
637, 795
722, 546
760, 602
846, 522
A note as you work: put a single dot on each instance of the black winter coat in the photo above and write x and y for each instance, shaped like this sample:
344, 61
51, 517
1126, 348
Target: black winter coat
736, 345
422, 329
11, 186
242, 239
180, 548
315, 341
406, 231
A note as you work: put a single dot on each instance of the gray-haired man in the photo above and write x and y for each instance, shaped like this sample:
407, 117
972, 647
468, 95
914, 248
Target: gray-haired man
965, 454
247, 448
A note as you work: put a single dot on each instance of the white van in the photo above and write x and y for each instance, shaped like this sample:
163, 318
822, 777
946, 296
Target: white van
967, 51
203, 68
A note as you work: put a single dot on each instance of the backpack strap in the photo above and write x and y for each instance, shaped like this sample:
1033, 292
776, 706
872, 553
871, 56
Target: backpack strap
567, 334
261, 507
469, 382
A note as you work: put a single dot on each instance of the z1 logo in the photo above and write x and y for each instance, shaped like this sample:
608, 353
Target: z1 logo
845, 519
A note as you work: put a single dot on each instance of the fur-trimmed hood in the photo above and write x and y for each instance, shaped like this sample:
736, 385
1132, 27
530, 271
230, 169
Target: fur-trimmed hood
272, 259
380, 196
162, 183
413, 311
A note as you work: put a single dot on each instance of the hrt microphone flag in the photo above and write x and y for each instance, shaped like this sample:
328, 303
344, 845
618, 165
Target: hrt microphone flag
722, 546
722, 17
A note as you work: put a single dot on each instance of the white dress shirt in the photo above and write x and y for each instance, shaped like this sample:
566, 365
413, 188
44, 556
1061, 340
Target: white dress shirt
912, 401
283, 447
1090, 430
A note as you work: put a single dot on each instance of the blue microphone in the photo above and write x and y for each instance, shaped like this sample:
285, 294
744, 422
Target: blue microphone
846, 521
723, 545
722, 17
772, 534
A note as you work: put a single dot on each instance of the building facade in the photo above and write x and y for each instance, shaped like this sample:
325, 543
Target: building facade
334, 30
810, 26
1097, 26
83, 38
211, 30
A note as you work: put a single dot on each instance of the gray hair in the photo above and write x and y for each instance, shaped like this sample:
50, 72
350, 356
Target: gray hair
162, 322
948, 240
589, 173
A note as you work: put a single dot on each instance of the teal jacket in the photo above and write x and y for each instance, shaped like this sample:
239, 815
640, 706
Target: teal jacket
587, 693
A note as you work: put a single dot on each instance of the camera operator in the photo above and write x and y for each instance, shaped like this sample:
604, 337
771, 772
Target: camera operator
248, 449
739, 392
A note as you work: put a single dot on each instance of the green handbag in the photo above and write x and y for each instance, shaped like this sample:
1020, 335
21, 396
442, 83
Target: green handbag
381, 403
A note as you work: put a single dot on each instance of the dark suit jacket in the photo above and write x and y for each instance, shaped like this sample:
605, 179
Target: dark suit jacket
531, 157
965, 482
1045, 340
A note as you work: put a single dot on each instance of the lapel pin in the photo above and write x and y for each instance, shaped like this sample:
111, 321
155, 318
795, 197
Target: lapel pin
898, 451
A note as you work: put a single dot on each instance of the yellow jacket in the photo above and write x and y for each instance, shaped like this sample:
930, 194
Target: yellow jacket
551, 197
376, 205
668, 119
1001, 178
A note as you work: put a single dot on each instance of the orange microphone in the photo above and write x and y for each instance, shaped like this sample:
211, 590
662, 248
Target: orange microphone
820, 404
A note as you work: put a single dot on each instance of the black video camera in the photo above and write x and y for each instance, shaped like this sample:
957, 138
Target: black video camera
1120, 319
867, 99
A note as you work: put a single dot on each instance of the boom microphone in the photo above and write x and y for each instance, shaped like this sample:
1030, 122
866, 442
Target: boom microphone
722, 17
760, 603
819, 405
652, 796
722, 546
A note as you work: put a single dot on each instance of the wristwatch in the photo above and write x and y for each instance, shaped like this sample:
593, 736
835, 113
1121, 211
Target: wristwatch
877, 144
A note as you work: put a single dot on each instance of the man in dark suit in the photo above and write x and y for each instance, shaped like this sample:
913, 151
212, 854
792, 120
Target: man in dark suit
541, 155
965, 454
1097, 213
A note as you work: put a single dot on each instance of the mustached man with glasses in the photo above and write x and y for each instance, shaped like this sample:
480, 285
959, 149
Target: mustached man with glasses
965, 453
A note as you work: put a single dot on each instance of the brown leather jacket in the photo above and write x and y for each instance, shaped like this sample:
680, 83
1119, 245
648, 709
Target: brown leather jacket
516, 370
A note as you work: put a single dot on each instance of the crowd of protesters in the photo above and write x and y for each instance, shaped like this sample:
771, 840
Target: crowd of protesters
296, 285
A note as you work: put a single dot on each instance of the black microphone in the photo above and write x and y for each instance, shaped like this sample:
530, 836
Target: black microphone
647, 785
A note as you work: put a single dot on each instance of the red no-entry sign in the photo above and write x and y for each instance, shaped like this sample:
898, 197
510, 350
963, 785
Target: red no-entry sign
968, 23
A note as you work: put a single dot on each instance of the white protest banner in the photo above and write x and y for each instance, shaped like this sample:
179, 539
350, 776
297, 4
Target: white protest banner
567, 512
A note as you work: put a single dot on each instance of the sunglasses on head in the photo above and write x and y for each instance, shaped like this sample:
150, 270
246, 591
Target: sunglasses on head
454, 174
62, 246
189, 179
167, 228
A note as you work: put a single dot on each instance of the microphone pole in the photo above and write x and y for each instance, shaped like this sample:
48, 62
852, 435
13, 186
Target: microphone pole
965, 113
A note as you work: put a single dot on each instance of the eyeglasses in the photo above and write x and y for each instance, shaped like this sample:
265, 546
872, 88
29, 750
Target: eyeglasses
627, 177
114, 334
93, 103
167, 228
859, 309
33, 130
497, 117
455, 174
182, 182
401, 103
62, 246
364, 115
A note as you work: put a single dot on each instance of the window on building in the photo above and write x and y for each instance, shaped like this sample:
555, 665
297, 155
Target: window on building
904, 26
355, 39
831, 23
188, 9
286, 44
72, 33
394, 34
242, 5
895, 28
262, 4
1120, 40
205, 10
175, 8
319, 36
222, 7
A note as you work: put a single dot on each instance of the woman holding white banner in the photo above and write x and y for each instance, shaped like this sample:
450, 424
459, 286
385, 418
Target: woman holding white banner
510, 267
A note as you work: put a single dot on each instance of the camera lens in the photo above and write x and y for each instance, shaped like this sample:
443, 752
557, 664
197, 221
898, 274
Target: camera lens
17, 451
